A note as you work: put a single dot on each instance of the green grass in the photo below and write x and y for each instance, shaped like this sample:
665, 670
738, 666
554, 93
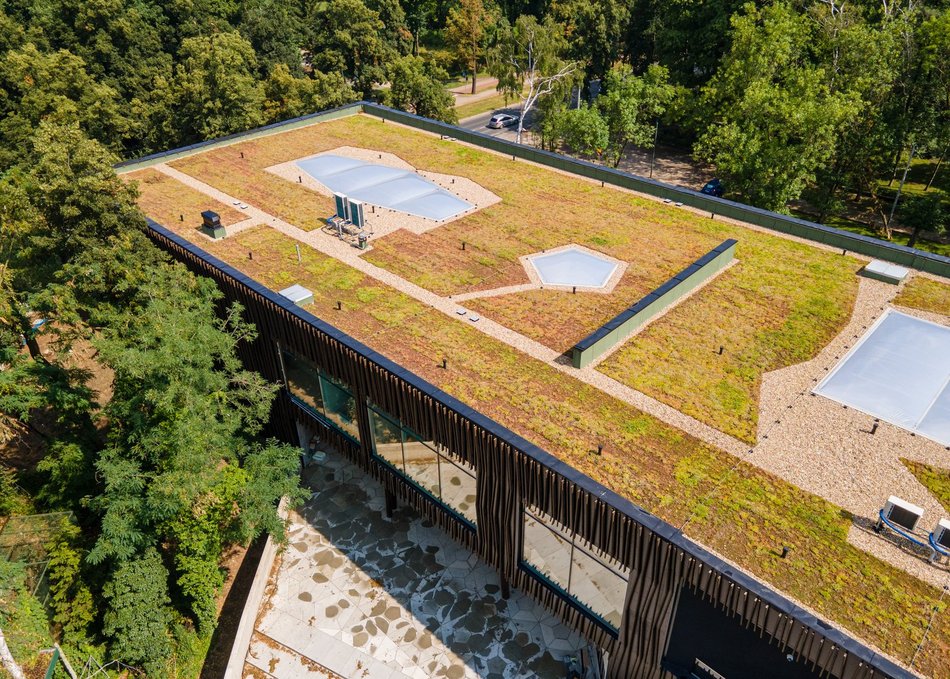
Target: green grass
769, 324
491, 103
921, 170
934, 479
925, 294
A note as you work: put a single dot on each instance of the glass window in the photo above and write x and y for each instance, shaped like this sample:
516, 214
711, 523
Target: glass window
340, 406
325, 396
598, 586
547, 550
594, 579
430, 467
303, 381
422, 463
387, 439
458, 485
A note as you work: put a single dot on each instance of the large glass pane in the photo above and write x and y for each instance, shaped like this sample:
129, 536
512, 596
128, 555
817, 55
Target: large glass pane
303, 381
548, 551
387, 438
422, 463
458, 485
340, 407
599, 584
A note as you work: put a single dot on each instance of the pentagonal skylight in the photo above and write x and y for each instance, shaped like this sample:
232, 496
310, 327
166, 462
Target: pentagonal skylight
573, 267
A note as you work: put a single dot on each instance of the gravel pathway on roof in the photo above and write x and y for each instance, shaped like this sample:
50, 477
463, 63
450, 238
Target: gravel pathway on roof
815, 444
826, 448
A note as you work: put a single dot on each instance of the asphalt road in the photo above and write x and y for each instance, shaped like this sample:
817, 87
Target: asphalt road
479, 123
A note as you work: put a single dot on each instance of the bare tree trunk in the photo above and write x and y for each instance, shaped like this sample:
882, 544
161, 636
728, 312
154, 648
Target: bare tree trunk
939, 163
900, 188
474, 68
9, 664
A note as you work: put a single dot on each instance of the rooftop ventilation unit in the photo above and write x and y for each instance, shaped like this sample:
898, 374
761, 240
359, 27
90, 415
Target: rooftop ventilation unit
342, 206
902, 513
297, 294
211, 225
941, 534
356, 213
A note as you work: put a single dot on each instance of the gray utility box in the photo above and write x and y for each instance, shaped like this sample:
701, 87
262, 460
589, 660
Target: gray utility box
297, 294
211, 225
884, 271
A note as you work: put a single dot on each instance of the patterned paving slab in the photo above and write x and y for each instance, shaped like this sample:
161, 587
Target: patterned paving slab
361, 595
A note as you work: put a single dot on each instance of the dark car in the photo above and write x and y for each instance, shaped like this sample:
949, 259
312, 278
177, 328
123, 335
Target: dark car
713, 188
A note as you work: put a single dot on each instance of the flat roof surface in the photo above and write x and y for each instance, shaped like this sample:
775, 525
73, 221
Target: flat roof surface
388, 187
899, 372
705, 416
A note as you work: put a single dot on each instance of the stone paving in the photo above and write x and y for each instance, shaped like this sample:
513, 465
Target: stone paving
358, 595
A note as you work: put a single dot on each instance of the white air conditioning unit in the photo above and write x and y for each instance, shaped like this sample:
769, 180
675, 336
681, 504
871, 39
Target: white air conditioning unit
902, 513
941, 534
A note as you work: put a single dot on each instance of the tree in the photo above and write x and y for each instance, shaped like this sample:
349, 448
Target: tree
633, 105
397, 33
466, 28
215, 88
275, 30
595, 31
76, 193
8, 661
348, 37
930, 212
139, 612
529, 65
774, 120
57, 87
286, 96
418, 15
416, 86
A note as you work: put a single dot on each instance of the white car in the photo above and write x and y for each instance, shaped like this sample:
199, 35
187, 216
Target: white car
500, 120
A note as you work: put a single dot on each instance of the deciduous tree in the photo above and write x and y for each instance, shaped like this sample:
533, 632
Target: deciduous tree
529, 64
467, 28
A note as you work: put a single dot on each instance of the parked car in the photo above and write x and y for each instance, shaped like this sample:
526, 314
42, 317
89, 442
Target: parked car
713, 188
500, 120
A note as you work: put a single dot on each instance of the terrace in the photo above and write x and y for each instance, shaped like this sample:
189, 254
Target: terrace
704, 417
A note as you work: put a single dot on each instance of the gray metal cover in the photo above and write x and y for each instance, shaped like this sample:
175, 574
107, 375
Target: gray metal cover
385, 186
297, 294
899, 372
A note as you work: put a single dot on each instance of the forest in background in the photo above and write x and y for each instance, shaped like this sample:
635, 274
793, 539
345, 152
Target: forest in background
128, 410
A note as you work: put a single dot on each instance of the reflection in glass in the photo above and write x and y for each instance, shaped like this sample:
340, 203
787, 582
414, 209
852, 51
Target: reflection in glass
591, 577
303, 381
441, 474
600, 588
422, 463
387, 439
340, 406
458, 485
547, 550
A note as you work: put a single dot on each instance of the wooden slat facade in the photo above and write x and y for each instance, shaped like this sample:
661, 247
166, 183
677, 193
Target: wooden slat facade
513, 473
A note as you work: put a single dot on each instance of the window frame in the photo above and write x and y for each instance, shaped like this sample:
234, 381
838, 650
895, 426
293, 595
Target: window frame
563, 591
443, 455
319, 416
